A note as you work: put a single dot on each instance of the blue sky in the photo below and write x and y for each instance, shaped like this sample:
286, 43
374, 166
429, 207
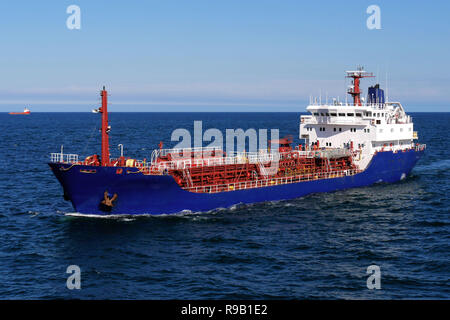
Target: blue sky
219, 55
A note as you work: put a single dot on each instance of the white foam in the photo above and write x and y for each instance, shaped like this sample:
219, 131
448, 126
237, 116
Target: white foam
132, 217
124, 217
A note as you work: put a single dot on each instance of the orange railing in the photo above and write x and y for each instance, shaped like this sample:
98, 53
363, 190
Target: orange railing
269, 182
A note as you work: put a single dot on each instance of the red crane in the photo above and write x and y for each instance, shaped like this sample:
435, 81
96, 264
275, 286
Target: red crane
105, 127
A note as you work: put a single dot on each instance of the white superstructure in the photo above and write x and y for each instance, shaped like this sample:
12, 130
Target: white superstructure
366, 128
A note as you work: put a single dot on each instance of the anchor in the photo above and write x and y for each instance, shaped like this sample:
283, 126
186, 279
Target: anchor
107, 202
66, 196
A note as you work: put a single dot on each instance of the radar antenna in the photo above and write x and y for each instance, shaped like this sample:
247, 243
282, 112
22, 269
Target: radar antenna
354, 89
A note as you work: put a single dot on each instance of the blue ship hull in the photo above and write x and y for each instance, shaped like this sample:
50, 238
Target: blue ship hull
155, 195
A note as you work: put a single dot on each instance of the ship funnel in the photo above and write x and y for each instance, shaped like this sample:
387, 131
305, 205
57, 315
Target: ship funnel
375, 95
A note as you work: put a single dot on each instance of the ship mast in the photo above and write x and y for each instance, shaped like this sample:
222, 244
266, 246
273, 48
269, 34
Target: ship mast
105, 127
354, 89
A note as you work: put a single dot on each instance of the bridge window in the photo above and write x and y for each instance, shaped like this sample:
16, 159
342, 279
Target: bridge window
350, 114
341, 114
359, 115
316, 113
333, 114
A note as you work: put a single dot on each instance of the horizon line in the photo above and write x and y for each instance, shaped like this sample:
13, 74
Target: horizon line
7, 112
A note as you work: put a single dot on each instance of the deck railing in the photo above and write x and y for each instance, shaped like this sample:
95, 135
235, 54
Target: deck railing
63, 158
317, 102
269, 182
244, 158
164, 152
236, 158
420, 147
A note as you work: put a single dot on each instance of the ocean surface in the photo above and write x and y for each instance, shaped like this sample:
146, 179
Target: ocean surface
316, 247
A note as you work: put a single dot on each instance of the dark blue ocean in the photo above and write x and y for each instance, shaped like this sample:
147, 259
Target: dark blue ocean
316, 247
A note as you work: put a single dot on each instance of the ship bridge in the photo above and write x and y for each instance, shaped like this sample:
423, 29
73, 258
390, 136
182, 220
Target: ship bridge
367, 125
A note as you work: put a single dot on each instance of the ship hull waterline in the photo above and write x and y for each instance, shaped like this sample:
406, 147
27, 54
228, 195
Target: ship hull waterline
160, 194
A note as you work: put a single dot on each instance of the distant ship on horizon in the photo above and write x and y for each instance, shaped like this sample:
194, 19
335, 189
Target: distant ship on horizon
26, 111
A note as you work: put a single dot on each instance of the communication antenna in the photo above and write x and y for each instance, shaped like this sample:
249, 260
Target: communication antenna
387, 87
377, 75
345, 89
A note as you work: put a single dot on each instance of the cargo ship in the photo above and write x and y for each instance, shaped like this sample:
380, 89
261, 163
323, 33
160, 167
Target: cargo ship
26, 111
345, 145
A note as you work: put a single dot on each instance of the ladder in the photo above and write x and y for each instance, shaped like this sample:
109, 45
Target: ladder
187, 177
262, 169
